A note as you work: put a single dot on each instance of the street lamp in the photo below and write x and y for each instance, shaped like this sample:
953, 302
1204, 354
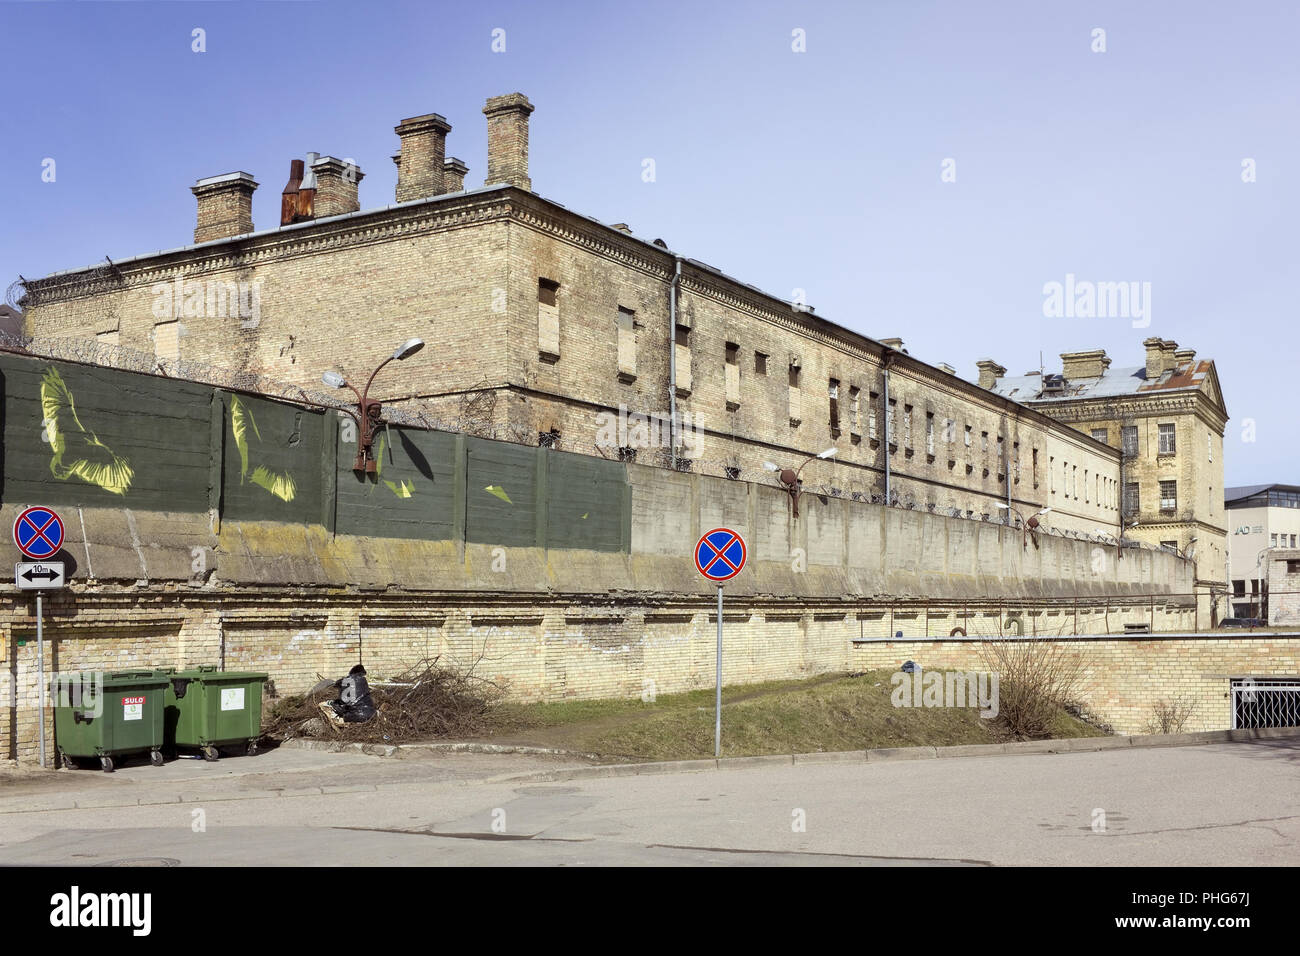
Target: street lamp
790, 478
1025, 526
368, 408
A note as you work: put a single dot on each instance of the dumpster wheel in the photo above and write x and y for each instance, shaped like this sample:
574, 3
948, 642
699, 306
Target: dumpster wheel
156, 758
210, 753
250, 749
106, 764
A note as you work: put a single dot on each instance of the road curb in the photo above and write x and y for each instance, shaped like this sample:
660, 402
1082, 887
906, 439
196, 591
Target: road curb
1063, 745
402, 750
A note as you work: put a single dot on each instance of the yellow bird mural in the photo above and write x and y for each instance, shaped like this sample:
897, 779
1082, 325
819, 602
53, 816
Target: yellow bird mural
77, 451
242, 423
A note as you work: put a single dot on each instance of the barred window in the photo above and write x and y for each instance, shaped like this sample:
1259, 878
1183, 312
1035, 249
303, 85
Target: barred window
1167, 445
1168, 496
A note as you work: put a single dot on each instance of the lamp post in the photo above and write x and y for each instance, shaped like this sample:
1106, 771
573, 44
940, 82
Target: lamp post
1025, 526
790, 478
368, 408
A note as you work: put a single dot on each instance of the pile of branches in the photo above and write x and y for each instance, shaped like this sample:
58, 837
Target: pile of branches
426, 701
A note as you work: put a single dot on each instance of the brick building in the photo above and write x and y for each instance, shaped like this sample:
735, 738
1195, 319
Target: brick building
1167, 418
550, 327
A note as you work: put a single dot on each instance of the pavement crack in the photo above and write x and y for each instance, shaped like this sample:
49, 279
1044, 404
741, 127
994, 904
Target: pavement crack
842, 856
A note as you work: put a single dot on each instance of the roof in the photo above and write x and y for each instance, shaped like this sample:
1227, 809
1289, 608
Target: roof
1240, 492
1112, 384
11, 320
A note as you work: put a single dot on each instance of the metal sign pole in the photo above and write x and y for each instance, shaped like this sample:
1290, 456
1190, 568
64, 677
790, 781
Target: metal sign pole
718, 700
40, 674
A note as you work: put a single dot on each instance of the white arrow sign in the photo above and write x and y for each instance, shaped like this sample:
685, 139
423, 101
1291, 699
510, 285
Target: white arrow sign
39, 575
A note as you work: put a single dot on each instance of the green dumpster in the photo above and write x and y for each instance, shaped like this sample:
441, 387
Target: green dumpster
109, 715
207, 709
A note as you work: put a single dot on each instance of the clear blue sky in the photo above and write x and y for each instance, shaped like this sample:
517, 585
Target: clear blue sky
817, 170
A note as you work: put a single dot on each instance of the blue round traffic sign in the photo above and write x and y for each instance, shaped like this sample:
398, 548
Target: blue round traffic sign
38, 532
720, 554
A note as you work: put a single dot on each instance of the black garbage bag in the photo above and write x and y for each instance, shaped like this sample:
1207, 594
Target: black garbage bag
354, 703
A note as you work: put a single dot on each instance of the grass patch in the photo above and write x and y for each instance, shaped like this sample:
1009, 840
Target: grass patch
827, 713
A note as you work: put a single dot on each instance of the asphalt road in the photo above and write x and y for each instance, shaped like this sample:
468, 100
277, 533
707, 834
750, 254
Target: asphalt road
1212, 805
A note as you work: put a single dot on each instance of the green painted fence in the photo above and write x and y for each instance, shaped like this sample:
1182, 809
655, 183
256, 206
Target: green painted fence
90, 436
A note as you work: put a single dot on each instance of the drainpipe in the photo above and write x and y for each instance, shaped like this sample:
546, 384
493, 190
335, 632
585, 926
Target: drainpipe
672, 358
888, 356
1006, 464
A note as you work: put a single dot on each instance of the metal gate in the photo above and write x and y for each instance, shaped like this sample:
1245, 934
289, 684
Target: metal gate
1264, 702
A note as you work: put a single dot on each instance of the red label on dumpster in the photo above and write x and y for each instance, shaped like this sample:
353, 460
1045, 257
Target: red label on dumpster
133, 708
132, 700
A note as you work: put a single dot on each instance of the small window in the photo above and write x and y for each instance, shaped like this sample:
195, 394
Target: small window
733, 353
1293, 567
1101, 434
1167, 444
794, 376
548, 292
984, 441
968, 433
760, 363
855, 410
1131, 497
834, 391
1129, 436
1168, 496
683, 335
1171, 546
929, 433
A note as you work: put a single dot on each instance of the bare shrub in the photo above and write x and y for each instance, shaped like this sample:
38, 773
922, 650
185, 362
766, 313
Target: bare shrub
426, 701
1037, 679
1169, 716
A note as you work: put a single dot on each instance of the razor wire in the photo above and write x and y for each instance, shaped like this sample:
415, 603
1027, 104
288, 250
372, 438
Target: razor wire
476, 416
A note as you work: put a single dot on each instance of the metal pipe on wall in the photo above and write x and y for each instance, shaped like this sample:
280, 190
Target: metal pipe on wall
672, 358
888, 360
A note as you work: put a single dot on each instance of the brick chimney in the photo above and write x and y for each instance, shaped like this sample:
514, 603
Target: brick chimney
1184, 356
225, 206
1168, 350
1155, 358
507, 118
421, 159
336, 186
1091, 364
453, 175
990, 372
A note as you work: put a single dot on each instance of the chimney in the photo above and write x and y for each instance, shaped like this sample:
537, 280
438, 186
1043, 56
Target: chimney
1091, 364
508, 140
990, 372
289, 197
1184, 356
1155, 358
422, 156
945, 367
453, 175
1168, 349
622, 227
336, 186
225, 206
895, 343
307, 192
